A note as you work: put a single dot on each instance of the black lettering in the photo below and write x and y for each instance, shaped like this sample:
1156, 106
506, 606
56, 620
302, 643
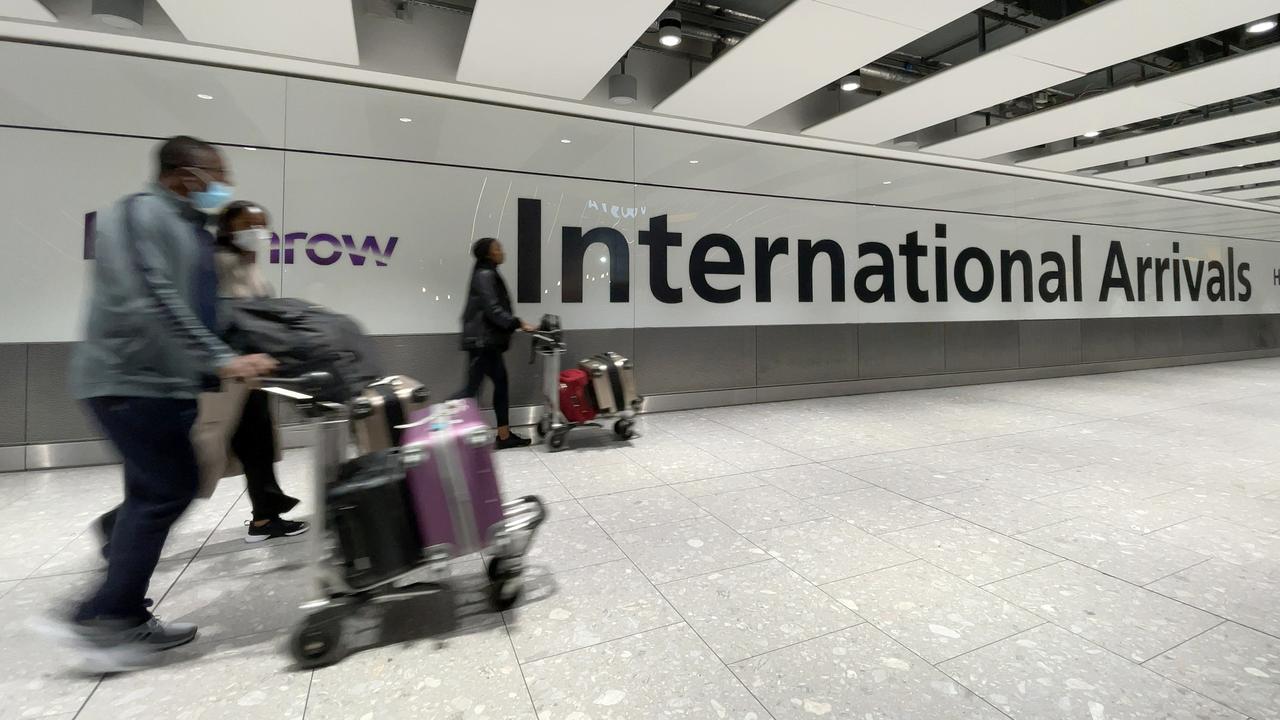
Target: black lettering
809, 252
1077, 269
1162, 267
1007, 260
1231, 272
528, 250
884, 269
1144, 267
1177, 276
1117, 273
940, 274
962, 275
912, 251
1246, 288
765, 253
700, 267
1058, 275
1216, 275
1194, 284
658, 239
574, 250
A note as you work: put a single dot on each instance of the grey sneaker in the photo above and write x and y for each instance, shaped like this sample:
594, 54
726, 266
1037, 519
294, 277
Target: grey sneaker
110, 646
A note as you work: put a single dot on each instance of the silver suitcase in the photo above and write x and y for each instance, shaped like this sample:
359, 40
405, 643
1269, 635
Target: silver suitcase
382, 409
613, 383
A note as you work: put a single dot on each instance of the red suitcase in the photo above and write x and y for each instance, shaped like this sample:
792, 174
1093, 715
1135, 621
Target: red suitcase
575, 398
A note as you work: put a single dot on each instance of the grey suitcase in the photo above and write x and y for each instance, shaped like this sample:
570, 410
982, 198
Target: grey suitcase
613, 383
384, 407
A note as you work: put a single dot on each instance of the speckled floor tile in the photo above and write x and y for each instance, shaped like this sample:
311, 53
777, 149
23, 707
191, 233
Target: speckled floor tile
627, 511
1222, 539
934, 613
683, 464
1138, 559
1047, 673
579, 608
571, 544
663, 673
717, 485
753, 609
1125, 619
759, 508
231, 605
1136, 515
1019, 482
585, 482
998, 511
914, 481
857, 673
1234, 665
690, 547
879, 511
973, 553
828, 549
806, 481
1229, 591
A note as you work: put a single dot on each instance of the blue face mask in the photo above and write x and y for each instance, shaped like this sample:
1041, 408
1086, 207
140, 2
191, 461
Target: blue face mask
213, 197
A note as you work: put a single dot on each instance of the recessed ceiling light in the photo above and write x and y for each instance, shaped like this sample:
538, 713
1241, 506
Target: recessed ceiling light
669, 29
887, 182
693, 162
1092, 134
204, 96
1261, 26
246, 147
406, 119
566, 141
851, 82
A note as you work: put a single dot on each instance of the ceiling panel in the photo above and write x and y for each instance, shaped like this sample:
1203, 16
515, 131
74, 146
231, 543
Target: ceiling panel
1112, 32
26, 10
1252, 193
559, 48
1214, 82
806, 46
926, 15
1266, 152
980, 83
1207, 132
1248, 177
315, 29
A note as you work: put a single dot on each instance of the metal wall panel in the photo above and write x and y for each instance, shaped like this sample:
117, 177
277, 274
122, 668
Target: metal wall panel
793, 354
52, 415
1202, 334
898, 349
1042, 343
692, 359
1106, 339
13, 393
981, 345
1157, 337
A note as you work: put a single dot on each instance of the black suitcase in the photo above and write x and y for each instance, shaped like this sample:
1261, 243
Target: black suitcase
370, 512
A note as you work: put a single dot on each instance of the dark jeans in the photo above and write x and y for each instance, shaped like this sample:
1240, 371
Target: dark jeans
488, 362
153, 436
254, 442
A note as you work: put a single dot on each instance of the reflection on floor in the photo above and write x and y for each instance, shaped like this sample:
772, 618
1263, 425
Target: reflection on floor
1096, 547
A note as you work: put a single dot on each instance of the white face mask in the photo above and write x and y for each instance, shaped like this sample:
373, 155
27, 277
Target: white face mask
251, 240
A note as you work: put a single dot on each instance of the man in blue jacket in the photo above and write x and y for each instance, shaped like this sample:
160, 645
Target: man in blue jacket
151, 346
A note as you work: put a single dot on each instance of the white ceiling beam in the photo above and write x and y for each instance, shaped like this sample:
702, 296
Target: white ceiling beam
806, 46
1251, 193
1249, 155
1205, 84
26, 10
1206, 132
322, 30
1248, 177
1096, 38
559, 48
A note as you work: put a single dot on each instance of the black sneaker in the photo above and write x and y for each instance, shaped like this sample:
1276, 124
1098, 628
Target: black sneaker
275, 528
112, 646
513, 441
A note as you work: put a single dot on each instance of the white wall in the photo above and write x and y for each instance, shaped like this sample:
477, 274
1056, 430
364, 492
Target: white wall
78, 130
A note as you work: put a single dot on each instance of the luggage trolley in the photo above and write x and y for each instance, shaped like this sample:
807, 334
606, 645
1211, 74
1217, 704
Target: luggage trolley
553, 426
318, 639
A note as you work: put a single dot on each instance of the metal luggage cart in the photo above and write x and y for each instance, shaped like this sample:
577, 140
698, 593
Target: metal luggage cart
318, 639
553, 427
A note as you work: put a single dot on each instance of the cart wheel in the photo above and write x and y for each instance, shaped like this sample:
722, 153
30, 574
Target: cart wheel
624, 429
504, 587
317, 642
555, 440
544, 427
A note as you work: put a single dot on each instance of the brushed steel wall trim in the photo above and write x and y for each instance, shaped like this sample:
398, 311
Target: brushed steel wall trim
13, 458
46, 456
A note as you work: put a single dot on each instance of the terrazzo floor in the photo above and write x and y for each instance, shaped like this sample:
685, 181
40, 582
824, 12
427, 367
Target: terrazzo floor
1102, 547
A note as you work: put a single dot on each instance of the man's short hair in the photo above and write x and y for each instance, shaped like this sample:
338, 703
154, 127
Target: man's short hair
183, 151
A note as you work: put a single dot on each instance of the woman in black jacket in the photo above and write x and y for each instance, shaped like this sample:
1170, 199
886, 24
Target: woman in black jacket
487, 326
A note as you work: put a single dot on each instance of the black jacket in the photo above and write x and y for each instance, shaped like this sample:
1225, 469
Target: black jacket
487, 321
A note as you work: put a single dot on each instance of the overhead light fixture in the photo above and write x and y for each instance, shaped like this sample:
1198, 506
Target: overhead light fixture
887, 182
566, 141
669, 29
121, 14
693, 162
1092, 134
622, 88
851, 82
1262, 26
204, 96
406, 119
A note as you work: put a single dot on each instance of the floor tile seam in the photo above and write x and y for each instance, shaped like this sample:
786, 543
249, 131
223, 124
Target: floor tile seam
707, 573
984, 647
92, 691
204, 543
1177, 645
562, 653
861, 621
1189, 689
306, 703
32, 574
1147, 585
611, 493
822, 586
515, 655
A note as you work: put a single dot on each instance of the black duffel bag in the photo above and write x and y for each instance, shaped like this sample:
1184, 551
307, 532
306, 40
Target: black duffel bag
305, 338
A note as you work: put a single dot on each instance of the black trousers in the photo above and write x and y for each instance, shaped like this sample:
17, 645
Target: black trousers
488, 362
254, 443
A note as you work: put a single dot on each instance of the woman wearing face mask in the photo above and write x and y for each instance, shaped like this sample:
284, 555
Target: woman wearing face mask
241, 234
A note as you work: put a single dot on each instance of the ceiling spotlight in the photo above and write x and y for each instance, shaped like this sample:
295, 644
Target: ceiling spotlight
669, 26
406, 119
887, 182
622, 88
204, 96
566, 141
1092, 134
851, 82
693, 162
122, 14
1261, 26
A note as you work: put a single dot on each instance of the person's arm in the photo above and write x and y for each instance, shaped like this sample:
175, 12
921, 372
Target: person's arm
486, 288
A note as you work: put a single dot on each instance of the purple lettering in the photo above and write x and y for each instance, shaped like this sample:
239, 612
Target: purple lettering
289, 240
324, 238
370, 247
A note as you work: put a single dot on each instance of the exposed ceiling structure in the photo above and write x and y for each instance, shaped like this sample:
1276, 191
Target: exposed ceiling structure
1180, 94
